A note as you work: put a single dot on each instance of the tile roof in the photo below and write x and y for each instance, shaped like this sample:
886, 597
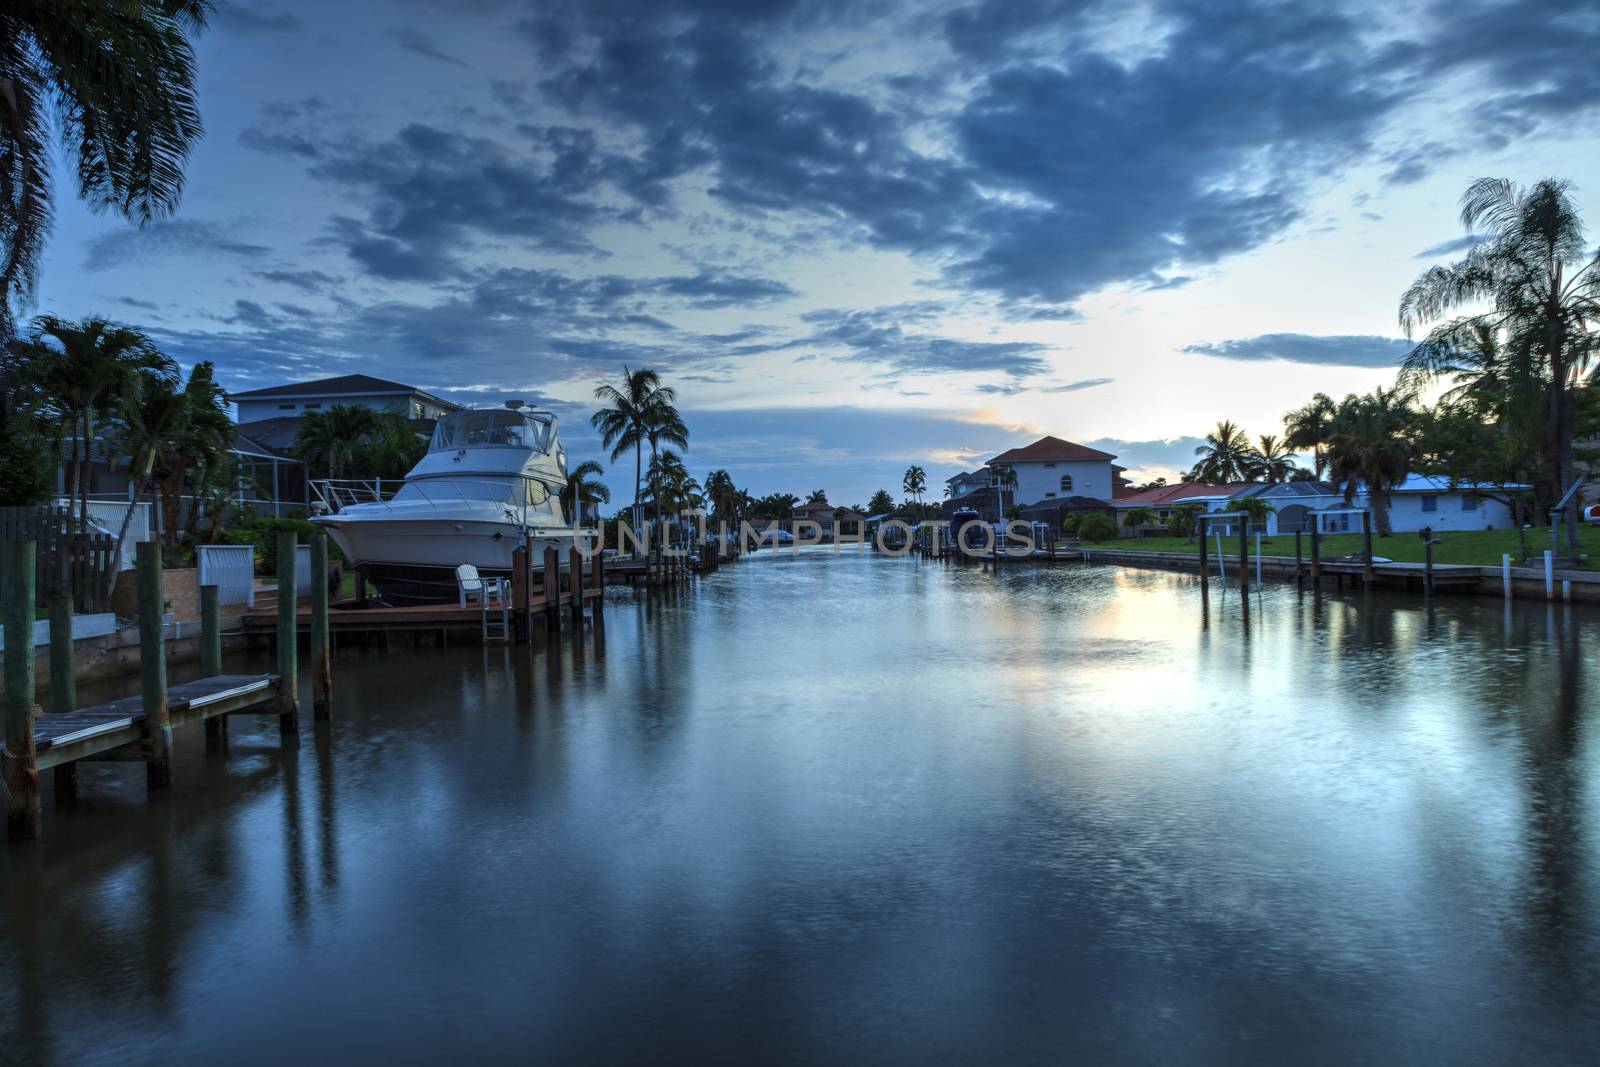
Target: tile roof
1176, 493
1050, 450
345, 383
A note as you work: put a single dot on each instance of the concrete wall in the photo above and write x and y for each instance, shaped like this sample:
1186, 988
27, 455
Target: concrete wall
1406, 514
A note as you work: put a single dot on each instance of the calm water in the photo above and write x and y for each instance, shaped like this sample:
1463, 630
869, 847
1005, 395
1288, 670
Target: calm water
863, 810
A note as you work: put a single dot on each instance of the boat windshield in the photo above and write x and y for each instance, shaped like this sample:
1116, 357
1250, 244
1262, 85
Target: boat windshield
503, 429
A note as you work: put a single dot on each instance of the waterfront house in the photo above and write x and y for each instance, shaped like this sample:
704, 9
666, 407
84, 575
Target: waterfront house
1163, 500
1420, 501
833, 521
967, 482
1052, 469
350, 390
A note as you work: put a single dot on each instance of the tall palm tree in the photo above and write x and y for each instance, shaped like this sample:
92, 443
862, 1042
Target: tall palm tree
85, 369
332, 441
1307, 427
881, 503
584, 487
1542, 285
1370, 445
723, 495
118, 75
626, 419
664, 426
1273, 459
915, 483
167, 435
392, 447
818, 496
1226, 456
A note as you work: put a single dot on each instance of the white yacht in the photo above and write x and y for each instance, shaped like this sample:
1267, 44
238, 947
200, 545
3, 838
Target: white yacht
491, 480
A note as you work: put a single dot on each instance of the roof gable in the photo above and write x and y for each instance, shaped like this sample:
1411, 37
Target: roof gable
1052, 450
345, 383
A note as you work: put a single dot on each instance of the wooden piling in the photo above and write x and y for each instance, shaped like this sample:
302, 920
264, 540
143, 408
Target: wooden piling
1427, 567
63, 685
21, 772
575, 567
598, 577
519, 593
1297, 558
321, 660
1366, 531
1244, 553
153, 667
552, 590
1316, 551
211, 652
288, 636
1205, 560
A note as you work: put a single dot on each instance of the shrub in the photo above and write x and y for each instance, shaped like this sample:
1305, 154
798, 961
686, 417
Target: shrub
261, 533
27, 462
1097, 527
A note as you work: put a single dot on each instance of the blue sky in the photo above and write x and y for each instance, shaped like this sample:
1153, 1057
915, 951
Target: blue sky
853, 236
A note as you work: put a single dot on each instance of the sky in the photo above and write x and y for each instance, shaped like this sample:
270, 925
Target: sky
853, 236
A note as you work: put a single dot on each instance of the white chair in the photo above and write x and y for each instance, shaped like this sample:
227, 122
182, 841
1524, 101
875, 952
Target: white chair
468, 584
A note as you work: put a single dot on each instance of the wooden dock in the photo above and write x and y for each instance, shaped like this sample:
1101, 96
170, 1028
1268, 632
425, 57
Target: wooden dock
139, 728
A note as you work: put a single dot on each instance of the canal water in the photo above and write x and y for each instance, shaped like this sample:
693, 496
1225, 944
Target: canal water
863, 810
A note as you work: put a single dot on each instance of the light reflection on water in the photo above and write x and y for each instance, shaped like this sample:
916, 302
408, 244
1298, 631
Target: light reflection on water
868, 810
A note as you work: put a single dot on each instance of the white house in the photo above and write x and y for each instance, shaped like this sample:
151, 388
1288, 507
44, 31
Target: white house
350, 390
1421, 501
1051, 468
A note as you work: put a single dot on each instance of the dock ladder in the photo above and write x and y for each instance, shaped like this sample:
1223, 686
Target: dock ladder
497, 623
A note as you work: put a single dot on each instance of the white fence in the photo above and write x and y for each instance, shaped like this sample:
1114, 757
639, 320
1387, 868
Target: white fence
232, 569
107, 515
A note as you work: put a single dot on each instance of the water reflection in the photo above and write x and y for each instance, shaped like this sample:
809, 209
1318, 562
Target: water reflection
861, 808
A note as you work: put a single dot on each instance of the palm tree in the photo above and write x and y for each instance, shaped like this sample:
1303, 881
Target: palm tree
332, 441
1370, 445
584, 487
85, 369
723, 496
1185, 520
626, 420
392, 447
1274, 460
664, 426
1226, 456
818, 496
1307, 427
1542, 286
915, 483
119, 76
881, 503
167, 433
1137, 519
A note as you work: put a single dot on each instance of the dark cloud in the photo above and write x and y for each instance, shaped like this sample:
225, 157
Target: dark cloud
1340, 351
1013, 388
1448, 248
894, 337
246, 18
166, 237
312, 281
708, 290
414, 40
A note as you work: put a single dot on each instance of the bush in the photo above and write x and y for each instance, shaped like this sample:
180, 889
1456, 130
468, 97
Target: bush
1097, 527
27, 462
261, 533
1069, 523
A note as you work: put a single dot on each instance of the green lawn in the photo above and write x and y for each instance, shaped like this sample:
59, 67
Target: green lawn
1482, 547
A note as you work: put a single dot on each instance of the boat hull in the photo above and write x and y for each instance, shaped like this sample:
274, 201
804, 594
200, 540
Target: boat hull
414, 561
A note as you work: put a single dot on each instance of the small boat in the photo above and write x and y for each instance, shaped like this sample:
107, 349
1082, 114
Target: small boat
491, 481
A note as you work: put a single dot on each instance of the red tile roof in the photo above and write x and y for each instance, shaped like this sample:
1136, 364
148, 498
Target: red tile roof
1050, 450
1176, 493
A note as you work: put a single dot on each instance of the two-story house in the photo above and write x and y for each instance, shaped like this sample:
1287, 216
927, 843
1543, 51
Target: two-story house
350, 390
1051, 469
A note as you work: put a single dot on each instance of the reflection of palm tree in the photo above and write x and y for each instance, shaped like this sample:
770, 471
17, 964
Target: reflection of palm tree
121, 78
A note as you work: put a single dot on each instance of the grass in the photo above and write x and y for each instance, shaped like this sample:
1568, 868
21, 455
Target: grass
1479, 547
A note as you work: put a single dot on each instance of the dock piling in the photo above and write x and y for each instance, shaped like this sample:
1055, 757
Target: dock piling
520, 583
552, 590
210, 653
1366, 532
1316, 552
321, 661
1205, 562
63, 684
1244, 554
288, 636
1297, 558
575, 566
598, 576
21, 771
153, 667
1505, 574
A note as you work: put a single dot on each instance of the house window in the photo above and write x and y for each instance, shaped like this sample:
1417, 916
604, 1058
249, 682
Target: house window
285, 407
1430, 503
1066, 483
1469, 503
1049, 466
1049, 494
1336, 523
313, 407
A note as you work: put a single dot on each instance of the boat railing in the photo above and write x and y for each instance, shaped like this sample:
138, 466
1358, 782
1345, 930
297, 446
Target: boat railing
332, 495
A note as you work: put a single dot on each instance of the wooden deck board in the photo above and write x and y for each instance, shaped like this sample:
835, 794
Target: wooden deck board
86, 724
